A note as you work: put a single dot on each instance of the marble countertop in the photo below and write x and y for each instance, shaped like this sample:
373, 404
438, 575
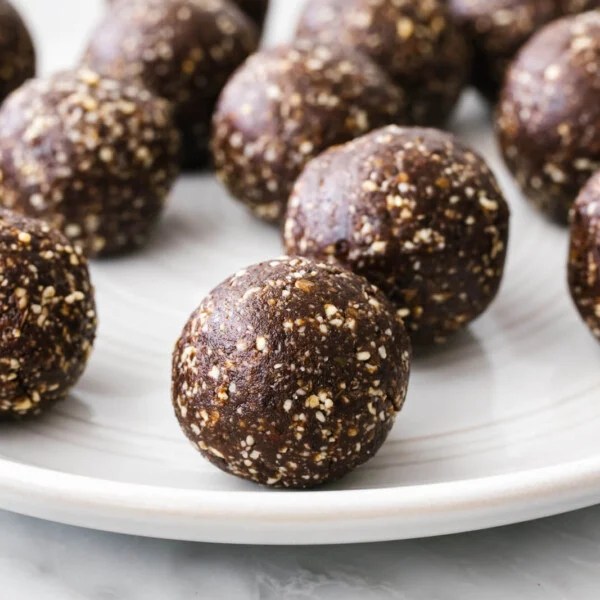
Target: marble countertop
552, 559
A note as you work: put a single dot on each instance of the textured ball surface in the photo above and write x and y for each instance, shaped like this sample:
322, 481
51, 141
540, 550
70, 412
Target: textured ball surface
584, 257
497, 29
417, 213
414, 41
93, 156
47, 313
285, 106
182, 50
548, 120
290, 373
17, 54
255, 9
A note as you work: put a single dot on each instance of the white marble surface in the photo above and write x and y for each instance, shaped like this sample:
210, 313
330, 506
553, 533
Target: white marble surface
553, 559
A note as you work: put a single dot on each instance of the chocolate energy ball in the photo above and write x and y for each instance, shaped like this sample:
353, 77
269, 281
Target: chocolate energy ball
93, 156
414, 41
47, 313
182, 50
548, 120
255, 9
417, 213
290, 373
17, 54
497, 29
285, 106
584, 257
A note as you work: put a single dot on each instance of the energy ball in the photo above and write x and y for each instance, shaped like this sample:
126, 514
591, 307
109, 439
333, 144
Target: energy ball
584, 257
284, 107
414, 211
291, 373
255, 9
48, 316
548, 121
497, 29
182, 50
17, 54
93, 156
414, 41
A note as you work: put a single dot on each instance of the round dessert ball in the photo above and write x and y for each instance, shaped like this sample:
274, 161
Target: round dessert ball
584, 257
291, 373
285, 106
48, 316
93, 156
255, 9
497, 29
17, 54
414, 211
414, 41
182, 50
548, 121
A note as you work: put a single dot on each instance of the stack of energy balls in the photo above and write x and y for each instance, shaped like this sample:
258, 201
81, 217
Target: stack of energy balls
291, 372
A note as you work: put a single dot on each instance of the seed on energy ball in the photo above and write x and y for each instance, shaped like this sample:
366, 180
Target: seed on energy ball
548, 120
291, 373
497, 29
285, 106
414, 41
584, 257
93, 156
17, 54
414, 211
48, 316
182, 50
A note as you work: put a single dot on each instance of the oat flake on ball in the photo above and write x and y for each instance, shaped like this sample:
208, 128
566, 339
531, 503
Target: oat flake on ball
548, 120
48, 316
417, 213
93, 156
291, 373
285, 106
414, 41
584, 256
182, 50
17, 54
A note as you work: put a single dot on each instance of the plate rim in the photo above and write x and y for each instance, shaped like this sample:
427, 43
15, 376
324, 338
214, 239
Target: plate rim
420, 510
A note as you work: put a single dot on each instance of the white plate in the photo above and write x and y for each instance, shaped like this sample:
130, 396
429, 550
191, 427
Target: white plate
500, 426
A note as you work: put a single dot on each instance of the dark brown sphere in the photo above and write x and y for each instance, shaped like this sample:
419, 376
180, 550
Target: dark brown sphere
291, 373
284, 107
414, 41
48, 316
548, 119
255, 9
497, 29
417, 213
584, 256
17, 54
93, 156
182, 50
